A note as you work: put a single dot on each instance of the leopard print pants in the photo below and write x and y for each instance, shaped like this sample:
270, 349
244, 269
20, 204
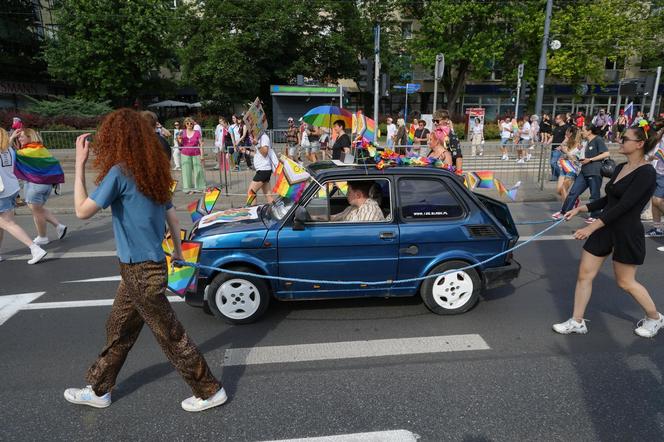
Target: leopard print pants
141, 299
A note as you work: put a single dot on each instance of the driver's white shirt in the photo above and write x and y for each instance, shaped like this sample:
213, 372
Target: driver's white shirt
368, 211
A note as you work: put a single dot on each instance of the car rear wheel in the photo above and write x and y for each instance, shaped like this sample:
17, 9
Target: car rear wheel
238, 299
453, 293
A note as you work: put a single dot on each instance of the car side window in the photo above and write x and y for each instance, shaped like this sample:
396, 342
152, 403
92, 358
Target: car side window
332, 202
427, 199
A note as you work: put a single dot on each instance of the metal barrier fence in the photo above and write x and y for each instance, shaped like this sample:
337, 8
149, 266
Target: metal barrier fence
536, 170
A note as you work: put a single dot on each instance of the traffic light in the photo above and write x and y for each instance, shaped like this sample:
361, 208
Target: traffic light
384, 85
525, 89
365, 80
512, 97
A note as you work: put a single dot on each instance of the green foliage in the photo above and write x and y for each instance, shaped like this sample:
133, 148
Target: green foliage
19, 45
107, 49
65, 106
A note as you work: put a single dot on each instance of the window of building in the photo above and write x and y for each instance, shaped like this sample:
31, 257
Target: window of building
427, 199
407, 30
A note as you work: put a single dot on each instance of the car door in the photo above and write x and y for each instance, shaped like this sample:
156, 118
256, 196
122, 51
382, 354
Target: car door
431, 220
343, 251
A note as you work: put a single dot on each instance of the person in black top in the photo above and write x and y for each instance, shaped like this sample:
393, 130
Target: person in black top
618, 231
590, 176
558, 136
342, 143
152, 120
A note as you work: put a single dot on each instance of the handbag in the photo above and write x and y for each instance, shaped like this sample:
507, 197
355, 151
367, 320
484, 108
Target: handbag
608, 167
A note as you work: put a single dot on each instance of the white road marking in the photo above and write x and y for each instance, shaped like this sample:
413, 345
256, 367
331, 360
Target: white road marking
104, 279
85, 303
548, 238
353, 349
11, 304
67, 255
376, 436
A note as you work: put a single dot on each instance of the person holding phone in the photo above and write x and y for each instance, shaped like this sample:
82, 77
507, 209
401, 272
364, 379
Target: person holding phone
134, 180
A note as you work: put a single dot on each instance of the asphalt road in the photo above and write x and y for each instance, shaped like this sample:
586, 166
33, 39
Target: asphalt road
529, 384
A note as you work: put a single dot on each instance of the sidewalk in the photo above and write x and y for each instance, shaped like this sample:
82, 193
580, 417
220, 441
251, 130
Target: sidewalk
236, 197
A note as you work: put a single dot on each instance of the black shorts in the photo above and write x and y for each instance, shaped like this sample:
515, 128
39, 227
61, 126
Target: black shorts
262, 176
627, 245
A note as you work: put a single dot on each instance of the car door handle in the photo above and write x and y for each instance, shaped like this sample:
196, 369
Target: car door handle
411, 250
387, 235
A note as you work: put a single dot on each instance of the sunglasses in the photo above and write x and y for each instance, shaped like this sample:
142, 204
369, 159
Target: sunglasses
436, 121
624, 139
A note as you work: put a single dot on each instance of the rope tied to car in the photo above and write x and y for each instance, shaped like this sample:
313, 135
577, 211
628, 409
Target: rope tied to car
374, 283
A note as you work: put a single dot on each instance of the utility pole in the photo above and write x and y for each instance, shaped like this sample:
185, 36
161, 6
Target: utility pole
541, 74
437, 75
341, 96
651, 115
518, 90
376, 71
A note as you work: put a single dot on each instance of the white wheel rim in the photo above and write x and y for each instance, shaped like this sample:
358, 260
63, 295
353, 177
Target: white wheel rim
237, 298
453, 290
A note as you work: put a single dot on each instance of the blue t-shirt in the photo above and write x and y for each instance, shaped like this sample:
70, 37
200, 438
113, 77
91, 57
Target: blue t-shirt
138, 222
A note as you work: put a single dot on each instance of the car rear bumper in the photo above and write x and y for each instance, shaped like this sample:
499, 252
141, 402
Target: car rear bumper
498, 276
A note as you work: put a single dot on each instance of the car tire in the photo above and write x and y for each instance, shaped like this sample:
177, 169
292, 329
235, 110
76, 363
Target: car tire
238, 299
453, 293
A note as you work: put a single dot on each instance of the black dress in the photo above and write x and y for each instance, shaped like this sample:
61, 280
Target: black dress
621, 213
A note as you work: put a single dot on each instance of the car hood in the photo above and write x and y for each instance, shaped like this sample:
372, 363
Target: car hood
243, 234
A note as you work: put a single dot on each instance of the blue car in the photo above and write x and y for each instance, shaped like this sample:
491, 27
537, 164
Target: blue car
361, 224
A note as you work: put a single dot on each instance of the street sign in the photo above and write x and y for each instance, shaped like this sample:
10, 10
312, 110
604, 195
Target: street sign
410, 88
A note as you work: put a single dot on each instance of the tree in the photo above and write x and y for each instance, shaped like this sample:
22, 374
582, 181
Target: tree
108, 49
20, 46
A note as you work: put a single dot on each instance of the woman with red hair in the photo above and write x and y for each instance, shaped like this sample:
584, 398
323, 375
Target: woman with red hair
134, 179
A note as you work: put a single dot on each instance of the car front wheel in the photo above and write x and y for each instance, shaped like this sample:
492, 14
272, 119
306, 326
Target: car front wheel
238, 299
454, 293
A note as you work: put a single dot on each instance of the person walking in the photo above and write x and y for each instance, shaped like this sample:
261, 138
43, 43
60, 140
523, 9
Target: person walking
505, 137
523, 141
134, 180
571, 151
557, 137
618, 231
193, 179
477, 138
292, 139
401, 137
545, 129
265, 162
590, 176
8, 192
621, 125
40, 171
391, 131
177, 135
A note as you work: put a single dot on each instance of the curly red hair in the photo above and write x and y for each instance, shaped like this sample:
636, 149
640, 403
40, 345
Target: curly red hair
126, 139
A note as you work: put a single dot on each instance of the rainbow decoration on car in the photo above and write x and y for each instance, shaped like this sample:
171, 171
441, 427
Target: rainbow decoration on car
194, 212
181, 279
211, 197
478, 180
485, 179
292, 179
370, 132
36, 165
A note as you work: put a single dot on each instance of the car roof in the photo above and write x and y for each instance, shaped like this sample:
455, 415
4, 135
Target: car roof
329, 169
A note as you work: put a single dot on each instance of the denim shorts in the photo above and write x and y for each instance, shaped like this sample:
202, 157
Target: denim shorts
8, 203
37, 193
659, 190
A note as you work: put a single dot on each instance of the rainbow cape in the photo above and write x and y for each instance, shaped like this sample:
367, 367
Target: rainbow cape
36, 165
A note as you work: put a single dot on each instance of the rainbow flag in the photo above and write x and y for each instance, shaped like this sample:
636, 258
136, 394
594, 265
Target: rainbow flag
471, 180
370, 132
210, 198
659, 154
167, 242
485, 178
291, 179
195, 214
180, 279
411, 134
511, 193
568, 166
500, 187
36, 165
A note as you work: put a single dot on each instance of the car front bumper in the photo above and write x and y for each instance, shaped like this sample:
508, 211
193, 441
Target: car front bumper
499, 276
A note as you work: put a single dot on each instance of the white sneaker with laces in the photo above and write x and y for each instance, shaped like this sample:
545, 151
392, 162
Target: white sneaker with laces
37, 254
61, 230
87, 396
648, 328
41, 240
571, 326
521, 161
195, 404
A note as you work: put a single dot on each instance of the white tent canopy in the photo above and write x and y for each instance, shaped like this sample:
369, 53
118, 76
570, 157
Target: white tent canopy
172, 103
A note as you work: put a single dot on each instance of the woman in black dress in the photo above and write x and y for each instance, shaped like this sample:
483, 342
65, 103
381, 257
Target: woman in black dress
618, 231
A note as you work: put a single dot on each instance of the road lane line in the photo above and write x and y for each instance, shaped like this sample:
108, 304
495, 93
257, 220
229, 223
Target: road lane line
353, 349
375, 436
104, 279
76, 304
548, 238
67, 255
11, 304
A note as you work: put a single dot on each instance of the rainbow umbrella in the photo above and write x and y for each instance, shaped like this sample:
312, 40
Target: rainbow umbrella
325, 116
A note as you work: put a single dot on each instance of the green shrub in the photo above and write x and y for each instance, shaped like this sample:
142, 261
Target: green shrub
68, 107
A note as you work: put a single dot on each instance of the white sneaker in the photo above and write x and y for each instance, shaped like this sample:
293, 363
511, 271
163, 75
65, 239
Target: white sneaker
197, 404
571, 326
481, 153
41, 240
648, 328
87, 396
520, 161
61, 230
528, 157
37, 254
1, 259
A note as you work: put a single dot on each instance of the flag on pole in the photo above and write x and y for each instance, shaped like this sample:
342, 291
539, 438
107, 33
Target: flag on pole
292, 179
411, 134
485, 179
511, 193
629, 112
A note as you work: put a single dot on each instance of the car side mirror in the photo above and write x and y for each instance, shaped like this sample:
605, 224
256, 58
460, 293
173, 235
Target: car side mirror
301, 217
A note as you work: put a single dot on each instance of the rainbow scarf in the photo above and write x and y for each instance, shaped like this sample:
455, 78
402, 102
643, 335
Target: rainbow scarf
36, 165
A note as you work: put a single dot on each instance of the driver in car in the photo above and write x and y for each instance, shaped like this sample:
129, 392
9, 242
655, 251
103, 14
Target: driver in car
362, 207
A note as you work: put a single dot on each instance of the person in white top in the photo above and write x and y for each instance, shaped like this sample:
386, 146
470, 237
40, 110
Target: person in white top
265, 162
391, 133
524, 141
477, 138
8, 192
505, 136
177, 132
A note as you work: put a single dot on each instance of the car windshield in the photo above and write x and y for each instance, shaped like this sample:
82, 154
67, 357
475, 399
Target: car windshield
278, 209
